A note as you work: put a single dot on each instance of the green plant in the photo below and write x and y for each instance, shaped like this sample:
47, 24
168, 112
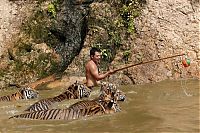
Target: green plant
104, 52
115, 38
126, 55
51, 9
129, 12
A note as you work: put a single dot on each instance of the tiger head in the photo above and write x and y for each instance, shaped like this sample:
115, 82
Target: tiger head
109, 96
79, 90
28, 93
113, 106
110, 105
110, 90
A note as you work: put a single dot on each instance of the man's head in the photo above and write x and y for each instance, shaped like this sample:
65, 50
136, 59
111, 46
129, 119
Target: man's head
95, 54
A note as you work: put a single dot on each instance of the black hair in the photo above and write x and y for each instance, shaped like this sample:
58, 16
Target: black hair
93, 50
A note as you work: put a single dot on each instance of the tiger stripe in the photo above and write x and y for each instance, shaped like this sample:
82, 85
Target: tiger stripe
75, 91
63, 114
23, 93
106, 103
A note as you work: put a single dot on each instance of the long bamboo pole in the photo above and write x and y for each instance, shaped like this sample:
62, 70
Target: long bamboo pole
132, 65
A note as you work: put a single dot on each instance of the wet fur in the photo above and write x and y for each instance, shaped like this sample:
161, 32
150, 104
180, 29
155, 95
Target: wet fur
72, 92
24, 93
106, 103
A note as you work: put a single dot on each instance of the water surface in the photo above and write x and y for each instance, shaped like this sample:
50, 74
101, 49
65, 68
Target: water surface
156, 107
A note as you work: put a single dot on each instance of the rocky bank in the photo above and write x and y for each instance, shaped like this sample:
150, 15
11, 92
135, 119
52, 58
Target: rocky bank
127, 31
164, 28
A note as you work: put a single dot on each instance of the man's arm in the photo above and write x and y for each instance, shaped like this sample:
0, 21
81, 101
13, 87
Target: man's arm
96, 75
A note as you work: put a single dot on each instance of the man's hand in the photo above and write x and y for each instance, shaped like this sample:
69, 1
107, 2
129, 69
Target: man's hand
111, 72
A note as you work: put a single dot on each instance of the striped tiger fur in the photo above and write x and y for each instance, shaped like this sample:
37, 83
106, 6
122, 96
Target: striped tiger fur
108, 92
107, 101
70, 113
24, 93
111, 89
72, 93
101, 105
75, 91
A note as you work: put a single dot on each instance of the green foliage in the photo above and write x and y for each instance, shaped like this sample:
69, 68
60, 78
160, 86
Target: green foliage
128, 14
115, 38
128, 10
54, 66
51, 9
37, 25
118, 27
126, 55
41, 65
105, 52
106, 55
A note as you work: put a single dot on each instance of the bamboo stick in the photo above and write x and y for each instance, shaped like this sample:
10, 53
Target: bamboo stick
141, 63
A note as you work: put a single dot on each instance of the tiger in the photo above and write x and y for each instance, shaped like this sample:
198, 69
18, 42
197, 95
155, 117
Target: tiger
111, 94
108, 91
23, 93
102, 105
110, 88
74, 91
69, 113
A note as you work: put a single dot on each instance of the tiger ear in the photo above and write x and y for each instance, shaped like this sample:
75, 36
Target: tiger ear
75, 82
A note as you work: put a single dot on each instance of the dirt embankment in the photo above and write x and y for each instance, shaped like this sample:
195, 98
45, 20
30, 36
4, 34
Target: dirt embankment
164, 28
8, 23
13, 13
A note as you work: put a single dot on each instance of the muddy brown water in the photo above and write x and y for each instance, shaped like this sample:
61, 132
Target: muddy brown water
155, 107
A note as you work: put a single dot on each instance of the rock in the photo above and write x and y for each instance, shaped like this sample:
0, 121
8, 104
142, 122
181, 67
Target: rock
70, 29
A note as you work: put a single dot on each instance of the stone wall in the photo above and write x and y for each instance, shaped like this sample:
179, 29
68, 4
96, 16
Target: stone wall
41, 38
12, 16
167, 28
164, 28
8, 12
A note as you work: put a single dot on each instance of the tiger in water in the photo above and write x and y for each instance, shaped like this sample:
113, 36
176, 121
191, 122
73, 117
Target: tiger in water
108, 92
111, 90
104, 104
105, 107
23, 93
74, 91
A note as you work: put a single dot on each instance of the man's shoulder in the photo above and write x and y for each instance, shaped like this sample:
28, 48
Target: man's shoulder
90, 64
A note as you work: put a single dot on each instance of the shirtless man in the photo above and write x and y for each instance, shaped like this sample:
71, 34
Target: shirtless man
92, 74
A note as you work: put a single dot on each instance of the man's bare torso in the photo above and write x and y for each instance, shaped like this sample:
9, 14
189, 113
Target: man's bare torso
91, 81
